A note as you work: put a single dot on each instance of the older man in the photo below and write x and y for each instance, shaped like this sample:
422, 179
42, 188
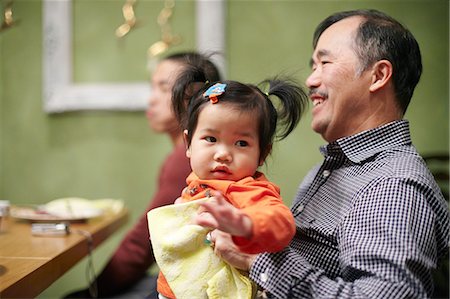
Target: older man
371, 220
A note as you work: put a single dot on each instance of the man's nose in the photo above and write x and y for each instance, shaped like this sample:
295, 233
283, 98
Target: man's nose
313, 79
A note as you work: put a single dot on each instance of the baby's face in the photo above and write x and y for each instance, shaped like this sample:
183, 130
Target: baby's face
225, 144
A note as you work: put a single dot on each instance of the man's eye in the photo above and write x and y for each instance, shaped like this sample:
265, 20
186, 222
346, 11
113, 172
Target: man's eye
241, 143
210, 139
166, 89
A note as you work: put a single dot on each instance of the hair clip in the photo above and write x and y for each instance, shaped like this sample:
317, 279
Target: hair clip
214, 91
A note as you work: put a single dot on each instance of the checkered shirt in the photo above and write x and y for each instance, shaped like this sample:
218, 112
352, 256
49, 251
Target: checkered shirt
371, 223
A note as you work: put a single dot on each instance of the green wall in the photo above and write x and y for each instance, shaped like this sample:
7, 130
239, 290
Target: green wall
114, 154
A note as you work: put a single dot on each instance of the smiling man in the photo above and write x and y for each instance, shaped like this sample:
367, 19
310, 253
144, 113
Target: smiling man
371, 221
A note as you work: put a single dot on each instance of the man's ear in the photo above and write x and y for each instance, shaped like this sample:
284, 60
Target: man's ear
188, 148
381, 74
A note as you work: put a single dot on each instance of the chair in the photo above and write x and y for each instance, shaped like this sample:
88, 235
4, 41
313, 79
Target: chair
439, 166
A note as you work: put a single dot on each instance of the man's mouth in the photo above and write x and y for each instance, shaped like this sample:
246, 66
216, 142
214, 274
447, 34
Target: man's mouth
317, 97
317, 101
149, 114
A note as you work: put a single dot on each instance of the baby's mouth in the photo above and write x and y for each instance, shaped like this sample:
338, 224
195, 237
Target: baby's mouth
222, 169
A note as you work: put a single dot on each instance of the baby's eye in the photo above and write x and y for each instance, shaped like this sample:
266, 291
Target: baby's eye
210, 139
242, 143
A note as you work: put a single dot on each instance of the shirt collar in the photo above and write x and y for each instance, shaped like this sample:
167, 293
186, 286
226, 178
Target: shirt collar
366, 144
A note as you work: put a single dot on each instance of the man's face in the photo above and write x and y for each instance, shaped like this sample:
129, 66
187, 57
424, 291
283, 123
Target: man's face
159, 111
340, 95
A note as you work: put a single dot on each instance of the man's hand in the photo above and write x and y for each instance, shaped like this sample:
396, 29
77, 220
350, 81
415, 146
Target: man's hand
226, 250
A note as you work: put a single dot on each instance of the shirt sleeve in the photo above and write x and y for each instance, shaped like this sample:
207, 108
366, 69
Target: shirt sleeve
388, 245
273, 222
134, 255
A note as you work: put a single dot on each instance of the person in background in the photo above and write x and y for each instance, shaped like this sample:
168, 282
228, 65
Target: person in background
230, 128
371, 220
125, 274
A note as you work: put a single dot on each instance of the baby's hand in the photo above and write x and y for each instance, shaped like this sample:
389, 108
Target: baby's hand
178, 200
220, 214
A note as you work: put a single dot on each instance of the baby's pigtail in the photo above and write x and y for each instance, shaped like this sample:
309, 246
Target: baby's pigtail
187, 86
294, 101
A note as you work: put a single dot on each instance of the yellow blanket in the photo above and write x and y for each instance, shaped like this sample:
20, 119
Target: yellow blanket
187, 262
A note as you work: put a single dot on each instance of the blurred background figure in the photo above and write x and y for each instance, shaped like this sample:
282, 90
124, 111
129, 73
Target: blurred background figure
125, 275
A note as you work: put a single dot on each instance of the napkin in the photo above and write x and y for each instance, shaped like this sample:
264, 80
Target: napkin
187, 261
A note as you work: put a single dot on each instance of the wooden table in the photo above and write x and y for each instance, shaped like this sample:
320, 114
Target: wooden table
29, 264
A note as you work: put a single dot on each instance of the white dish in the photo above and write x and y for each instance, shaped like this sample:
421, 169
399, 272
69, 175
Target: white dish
67, 209
34, 215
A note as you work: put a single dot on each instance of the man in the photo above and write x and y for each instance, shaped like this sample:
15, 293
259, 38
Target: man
371, 221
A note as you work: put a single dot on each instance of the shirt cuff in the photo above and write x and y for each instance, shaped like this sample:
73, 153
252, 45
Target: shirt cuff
278, 273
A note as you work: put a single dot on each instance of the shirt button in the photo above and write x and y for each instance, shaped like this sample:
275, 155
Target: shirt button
300, 208
264, 277
326, 173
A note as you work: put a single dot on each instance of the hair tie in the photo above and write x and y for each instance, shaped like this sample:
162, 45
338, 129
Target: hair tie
214, 91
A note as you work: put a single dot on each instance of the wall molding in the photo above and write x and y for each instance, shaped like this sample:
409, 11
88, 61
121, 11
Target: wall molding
61, 94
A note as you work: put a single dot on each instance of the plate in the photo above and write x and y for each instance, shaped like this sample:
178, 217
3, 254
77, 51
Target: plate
40, 215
